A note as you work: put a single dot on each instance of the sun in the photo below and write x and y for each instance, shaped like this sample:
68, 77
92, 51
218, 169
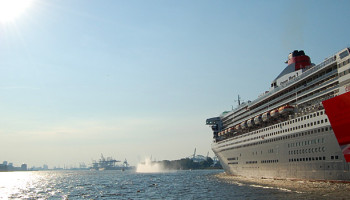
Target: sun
10, 10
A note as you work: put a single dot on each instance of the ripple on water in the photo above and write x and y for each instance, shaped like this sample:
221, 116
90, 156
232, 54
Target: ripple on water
175, 185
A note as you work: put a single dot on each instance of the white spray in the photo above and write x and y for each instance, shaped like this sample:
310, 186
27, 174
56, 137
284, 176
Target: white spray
149, 167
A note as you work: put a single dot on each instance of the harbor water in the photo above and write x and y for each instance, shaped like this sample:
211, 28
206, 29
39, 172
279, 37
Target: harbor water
196, 184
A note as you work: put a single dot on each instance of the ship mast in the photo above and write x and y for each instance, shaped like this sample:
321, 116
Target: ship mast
238, 100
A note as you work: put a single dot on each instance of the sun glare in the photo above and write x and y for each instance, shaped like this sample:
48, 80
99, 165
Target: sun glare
10, 10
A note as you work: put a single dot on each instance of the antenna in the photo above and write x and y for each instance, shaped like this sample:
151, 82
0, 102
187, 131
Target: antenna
194, 154
238, 100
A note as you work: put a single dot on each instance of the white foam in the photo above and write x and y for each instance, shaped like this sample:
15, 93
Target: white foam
149, 167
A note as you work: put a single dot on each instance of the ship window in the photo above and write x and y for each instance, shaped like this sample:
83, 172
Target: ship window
318, 114
336, 157
325, 120
314, 114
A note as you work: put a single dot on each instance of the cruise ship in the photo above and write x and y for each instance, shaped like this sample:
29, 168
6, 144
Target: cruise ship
298, 129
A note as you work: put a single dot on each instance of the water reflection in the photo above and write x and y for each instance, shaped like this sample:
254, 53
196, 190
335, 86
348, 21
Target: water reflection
197, 184
14, 183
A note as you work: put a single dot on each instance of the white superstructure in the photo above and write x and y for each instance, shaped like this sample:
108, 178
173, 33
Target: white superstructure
296, 129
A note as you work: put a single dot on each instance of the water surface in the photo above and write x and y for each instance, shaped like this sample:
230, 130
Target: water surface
197, 184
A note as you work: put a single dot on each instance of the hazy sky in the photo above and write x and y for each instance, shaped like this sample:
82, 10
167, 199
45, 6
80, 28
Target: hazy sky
133, 79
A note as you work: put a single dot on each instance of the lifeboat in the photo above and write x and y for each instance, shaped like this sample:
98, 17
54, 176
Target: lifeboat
250, 122
274, 113
257, 119
285, 109
237, 127
266, 116
244, 125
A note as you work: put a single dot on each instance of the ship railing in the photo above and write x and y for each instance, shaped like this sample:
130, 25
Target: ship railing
318, 94
327, 62
295, 91
271, 107
249, 132
316, 106
287, 101
327, 84
308, 72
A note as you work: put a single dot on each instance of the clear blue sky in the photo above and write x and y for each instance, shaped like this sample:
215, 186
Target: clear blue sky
132, 79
